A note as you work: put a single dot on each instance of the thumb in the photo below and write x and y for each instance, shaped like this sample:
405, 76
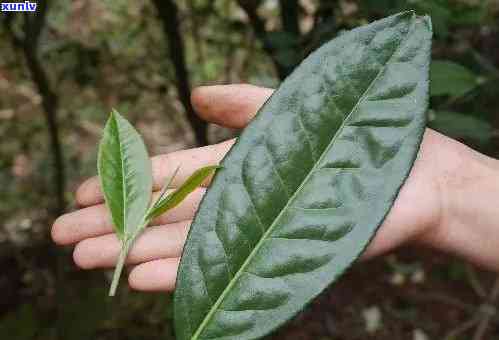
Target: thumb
231, 106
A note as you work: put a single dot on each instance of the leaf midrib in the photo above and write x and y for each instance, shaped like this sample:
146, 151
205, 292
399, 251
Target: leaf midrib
123, 184
264, 237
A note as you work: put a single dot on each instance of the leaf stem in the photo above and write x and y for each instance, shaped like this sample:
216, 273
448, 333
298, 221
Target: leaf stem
125, 247
126, 244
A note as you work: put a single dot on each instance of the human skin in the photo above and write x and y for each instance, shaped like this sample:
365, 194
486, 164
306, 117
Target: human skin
449, 202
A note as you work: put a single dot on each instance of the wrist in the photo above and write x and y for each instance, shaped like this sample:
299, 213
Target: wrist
468, 219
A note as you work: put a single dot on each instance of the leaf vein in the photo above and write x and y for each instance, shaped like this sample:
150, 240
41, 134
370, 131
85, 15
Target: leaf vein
307, 137
241, 270
274, 167
250, 200
227, 262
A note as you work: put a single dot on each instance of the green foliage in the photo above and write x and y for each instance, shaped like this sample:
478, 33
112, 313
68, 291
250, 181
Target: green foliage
438, 10
308, 182
452, 79
445, 14
455, 81
287, 47
126, 181
99, 54
125, 174
461, 126
20, 325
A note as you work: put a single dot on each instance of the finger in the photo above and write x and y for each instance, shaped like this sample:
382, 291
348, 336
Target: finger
155, 276
96, 221
229, 105
158, 242
163, 167
406, 221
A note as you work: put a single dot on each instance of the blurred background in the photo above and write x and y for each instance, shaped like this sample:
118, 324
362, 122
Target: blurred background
64, 67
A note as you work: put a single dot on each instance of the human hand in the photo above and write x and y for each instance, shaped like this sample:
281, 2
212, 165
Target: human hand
420, 213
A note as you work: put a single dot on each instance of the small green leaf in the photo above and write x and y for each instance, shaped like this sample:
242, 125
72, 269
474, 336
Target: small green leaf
451, 79
126, 180
125, 174
461, 126
176, 197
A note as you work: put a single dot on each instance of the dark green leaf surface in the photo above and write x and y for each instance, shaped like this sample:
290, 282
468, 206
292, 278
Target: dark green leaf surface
308, 182
462, 126
125, 174
175, 198
449, 78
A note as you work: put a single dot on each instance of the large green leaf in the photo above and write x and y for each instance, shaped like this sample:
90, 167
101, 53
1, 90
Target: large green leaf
125, 174
449, 78
308, 182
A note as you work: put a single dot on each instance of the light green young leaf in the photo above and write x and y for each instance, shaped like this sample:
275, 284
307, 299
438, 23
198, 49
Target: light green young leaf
175, 198
165, 189
125, 174
126, 179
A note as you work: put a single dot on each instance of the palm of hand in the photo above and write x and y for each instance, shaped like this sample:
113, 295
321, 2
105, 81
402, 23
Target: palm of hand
155, 254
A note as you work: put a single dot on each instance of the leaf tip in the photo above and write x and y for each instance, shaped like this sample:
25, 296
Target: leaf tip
426, 20
114, 113
410, 14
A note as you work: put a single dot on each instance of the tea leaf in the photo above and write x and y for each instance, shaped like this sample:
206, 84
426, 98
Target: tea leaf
126, 180
175, 198
125, 174
164, 190
308, 182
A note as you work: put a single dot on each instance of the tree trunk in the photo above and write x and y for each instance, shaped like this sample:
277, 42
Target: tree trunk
290, 16
33, 26
168, 14
250, 7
